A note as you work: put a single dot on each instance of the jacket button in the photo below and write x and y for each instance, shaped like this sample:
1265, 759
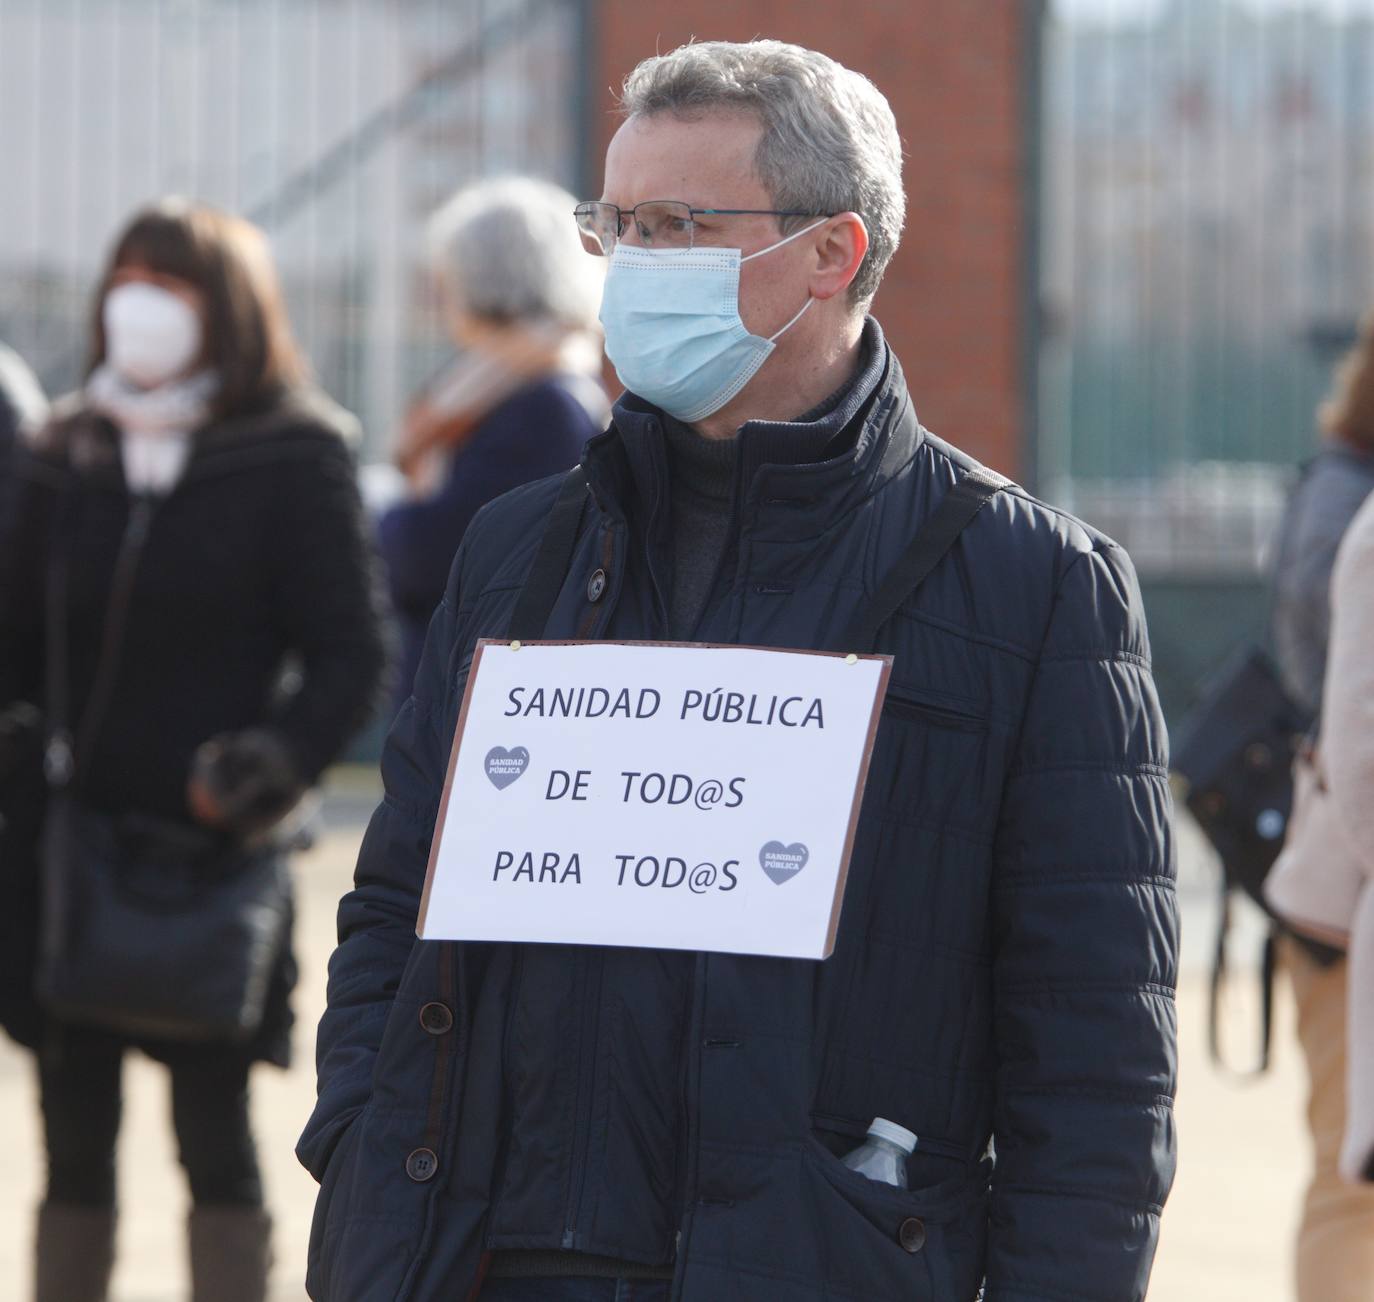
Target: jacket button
422, 1164
436, 1019
596, 585
912, 1234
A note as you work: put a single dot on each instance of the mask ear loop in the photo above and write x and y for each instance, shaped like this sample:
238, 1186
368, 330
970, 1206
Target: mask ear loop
796, 235
772, 339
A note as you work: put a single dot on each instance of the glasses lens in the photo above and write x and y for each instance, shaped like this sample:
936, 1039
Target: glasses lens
665, 224
597, 223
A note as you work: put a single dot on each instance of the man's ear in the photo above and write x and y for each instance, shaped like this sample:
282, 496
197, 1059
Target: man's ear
841, 246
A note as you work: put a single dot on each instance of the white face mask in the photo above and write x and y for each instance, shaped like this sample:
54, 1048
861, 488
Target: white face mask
151, 335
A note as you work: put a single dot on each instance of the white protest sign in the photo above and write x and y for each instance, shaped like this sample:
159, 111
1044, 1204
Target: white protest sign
653, 794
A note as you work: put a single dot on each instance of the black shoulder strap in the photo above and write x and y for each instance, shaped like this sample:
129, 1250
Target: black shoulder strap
551, 561
70, 739
58, 760
971, 492
1217, 994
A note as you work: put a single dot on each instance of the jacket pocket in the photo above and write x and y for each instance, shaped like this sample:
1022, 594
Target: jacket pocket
900, 1245
947, 746
840, 1135
330, 1204
903, 704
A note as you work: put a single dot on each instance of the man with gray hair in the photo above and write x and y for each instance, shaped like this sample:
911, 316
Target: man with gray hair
519, 1122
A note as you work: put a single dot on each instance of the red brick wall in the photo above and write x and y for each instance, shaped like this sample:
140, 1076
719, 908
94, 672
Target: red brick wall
951, 302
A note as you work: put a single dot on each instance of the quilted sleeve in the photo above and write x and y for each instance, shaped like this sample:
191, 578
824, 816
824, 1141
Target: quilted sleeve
377, 918
326, 604
1085, 933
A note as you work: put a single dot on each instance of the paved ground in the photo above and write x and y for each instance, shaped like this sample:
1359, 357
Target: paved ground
1226, 1232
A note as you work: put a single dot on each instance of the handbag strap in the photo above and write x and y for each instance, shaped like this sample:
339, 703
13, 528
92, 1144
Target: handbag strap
1217, 992
69, 740
956, 511
551, 561
58, 758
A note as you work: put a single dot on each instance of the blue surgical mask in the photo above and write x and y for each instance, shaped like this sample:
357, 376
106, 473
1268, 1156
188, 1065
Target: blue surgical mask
673, 328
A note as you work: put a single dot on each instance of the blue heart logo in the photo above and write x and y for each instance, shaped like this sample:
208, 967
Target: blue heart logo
783, 862
506, 766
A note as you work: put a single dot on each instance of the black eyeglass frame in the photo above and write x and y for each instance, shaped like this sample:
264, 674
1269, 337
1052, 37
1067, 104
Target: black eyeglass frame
693, 213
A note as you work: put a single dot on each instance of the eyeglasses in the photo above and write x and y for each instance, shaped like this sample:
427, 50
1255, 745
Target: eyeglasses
660, 223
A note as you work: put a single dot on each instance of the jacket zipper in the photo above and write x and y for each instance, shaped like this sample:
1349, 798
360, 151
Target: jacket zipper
586, 1056
651, 533
733, 551
691, 1094
594, 971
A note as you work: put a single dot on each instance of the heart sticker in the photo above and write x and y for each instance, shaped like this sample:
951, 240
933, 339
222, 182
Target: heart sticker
783, 862
505, 766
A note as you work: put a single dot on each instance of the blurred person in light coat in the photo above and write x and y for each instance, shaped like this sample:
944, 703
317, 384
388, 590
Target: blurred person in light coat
520, 299
1335, 1246
1322, 886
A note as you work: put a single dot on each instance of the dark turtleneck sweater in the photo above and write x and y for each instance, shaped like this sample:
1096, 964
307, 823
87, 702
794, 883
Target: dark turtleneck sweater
703, 474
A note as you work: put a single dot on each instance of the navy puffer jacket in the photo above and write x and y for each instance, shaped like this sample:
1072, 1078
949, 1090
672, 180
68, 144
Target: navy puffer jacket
1006, 958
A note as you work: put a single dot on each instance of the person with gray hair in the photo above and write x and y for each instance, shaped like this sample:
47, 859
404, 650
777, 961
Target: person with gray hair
520, 298
565, 1122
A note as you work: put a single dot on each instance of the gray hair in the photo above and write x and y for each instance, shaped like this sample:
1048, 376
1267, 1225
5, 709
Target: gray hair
830, 142
508, 250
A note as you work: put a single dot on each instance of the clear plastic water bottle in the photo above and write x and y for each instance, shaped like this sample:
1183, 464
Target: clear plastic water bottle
882, 1157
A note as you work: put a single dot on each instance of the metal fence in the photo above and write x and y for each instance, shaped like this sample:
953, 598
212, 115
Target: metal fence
339, 125
1207, 214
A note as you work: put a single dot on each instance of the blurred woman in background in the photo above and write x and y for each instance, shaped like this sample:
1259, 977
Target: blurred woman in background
1335, 1248
520, 297
202, 486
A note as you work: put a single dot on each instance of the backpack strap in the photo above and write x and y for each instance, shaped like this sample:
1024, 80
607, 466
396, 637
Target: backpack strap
970, 493
551, 561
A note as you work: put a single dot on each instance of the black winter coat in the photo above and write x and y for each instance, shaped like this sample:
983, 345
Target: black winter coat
1004, 969
256, 559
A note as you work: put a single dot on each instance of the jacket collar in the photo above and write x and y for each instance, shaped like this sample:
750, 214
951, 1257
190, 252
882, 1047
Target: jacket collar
862, 440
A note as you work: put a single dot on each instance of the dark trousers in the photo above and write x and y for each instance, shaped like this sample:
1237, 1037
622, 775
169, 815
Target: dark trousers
570, 1289
79, 1079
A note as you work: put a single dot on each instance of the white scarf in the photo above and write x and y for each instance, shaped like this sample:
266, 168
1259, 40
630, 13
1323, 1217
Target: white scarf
155, 425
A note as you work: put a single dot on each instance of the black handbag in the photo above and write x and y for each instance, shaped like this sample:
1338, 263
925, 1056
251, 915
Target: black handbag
155, 930
1235, 751
150, 928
